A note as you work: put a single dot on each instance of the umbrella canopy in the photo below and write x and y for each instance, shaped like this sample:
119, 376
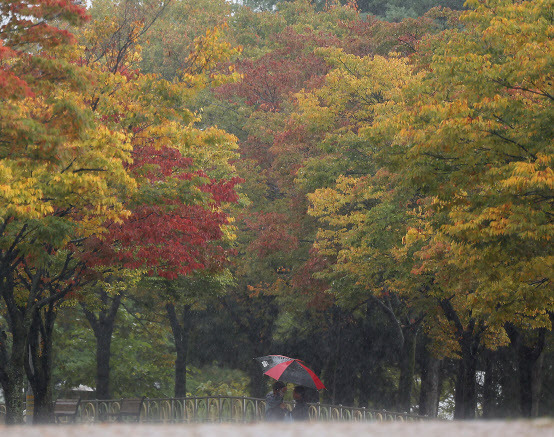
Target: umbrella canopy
288, 369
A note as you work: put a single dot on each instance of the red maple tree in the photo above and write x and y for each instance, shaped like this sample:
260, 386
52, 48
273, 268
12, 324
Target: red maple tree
176, 220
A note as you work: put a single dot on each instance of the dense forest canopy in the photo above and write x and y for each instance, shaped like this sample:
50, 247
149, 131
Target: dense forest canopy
366, 186
390, 10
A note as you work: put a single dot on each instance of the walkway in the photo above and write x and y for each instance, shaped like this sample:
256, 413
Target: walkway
541, 428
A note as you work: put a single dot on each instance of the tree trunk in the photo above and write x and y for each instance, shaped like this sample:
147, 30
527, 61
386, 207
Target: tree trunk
508, 402
103, 357
469, 339
181, 368
31, 348
530, 378
12, 359
103, 326
13, 385
181, 333
329, 375
407, 333
43, 408
258, 388
536, 385
429, 394
442, 379
407, 369
346, 374
489, 392
466, 394
365, 387
331, 367
530, 361
256, 318
39, 365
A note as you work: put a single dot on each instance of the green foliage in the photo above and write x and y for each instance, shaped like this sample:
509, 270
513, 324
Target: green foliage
167, 45
149, 349
397, 174
480, 146
392, 10
214, 380
74, 355
141, 362
396, 10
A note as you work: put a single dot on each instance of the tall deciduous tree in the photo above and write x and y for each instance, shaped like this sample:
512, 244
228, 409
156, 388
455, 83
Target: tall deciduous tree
479, 144
279, 146
363, 215
60, 175
184, 176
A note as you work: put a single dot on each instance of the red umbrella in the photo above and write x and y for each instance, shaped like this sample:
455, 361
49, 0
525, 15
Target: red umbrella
288, 369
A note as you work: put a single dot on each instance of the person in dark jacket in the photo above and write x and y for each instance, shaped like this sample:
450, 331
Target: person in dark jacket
274, 407
301, 410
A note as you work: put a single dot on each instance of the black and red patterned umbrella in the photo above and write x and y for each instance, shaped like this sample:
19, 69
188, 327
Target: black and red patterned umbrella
288, 369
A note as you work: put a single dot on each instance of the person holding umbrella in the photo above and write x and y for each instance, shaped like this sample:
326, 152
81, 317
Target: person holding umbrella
288, 369
301, 410
274, 406
293, 370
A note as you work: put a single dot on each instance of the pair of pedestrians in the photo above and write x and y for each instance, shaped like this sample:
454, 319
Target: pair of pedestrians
275, 408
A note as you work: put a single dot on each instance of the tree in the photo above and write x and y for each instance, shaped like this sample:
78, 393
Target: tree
184, 176
101, 313
281, 143
166, 46
60, 172
480, 147
363, 216
141, 360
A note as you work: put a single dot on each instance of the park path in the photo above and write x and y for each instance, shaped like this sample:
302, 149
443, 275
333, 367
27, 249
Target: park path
535, 428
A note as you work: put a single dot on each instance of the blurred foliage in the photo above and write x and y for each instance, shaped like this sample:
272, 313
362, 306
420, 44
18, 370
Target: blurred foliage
151, 372
215, 380
330, 106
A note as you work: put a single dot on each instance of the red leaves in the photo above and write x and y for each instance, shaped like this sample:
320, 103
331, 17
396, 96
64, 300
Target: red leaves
26, 24
223, 191
11, 86
304, 280
169, 240
272, 78
376, 37
274, 233
268, 81
67, 10
162, 163
168, 237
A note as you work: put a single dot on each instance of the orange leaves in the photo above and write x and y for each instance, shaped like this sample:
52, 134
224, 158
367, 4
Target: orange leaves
11, 85
26, 34
52, 163
274, 233
208, 52
30, 21
470, 142
490, 182
532, 175
182, 177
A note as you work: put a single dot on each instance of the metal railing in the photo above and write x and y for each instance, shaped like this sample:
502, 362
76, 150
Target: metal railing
180, 410
214, 409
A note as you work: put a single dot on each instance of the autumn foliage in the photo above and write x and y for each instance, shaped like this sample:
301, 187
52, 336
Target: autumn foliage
163, 235
334, 173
